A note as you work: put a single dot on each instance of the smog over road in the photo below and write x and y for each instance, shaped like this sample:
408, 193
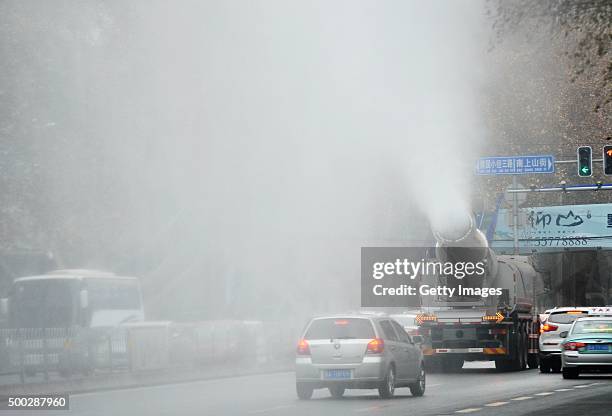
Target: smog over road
305, 207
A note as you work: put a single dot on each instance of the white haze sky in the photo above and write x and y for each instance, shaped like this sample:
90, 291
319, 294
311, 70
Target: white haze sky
316, 127
297, 110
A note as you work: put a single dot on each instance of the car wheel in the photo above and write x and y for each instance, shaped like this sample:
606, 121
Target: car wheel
386, 390
336, 391
418, 388
304, 391
570, 373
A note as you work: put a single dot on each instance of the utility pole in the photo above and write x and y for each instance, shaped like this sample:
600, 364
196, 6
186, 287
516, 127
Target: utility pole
515, 216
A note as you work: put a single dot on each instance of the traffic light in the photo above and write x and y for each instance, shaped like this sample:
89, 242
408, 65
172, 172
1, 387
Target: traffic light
585, 161
607, 160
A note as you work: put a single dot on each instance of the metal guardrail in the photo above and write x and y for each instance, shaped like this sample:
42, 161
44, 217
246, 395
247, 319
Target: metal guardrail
81, 352
66, 351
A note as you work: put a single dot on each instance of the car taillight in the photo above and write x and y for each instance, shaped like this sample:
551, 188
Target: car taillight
548, 328
573, 346
376, 346
303, 348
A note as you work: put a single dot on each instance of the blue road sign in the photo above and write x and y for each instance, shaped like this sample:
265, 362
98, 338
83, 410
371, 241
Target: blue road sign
515, 165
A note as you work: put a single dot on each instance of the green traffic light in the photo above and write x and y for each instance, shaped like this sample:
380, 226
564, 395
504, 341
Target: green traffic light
585, 161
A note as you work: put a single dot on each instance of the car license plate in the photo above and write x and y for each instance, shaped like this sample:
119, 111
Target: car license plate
597, 347
340, 374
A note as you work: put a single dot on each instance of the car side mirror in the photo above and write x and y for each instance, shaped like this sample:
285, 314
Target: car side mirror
563, 334
417, 339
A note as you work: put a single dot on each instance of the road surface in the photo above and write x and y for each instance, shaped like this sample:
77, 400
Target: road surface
477, 390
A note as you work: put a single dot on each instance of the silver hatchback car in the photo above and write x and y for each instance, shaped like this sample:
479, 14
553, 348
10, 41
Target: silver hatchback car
358, 352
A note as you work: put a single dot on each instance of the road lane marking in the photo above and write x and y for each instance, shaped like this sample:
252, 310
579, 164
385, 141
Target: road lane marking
518, 399
581, 386
563, 389
469, 410
271, 409
495, 404
544, 393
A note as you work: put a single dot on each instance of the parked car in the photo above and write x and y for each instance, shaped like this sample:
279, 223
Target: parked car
358, 352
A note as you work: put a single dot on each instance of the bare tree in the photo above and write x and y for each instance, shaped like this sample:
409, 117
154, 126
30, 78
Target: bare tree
581, 26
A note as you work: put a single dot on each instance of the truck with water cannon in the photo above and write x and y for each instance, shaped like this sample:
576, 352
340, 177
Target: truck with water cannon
490, 316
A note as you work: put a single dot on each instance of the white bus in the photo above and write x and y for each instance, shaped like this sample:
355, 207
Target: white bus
70, 320
74, 298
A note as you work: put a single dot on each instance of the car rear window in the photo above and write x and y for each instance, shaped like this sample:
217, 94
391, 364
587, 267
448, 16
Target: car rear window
566, 317
347, 328
388, 330
593, 327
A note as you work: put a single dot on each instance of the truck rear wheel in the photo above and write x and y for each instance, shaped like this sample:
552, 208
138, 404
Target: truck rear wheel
533, 359
518, 349
523, 349
503, 365
517, 359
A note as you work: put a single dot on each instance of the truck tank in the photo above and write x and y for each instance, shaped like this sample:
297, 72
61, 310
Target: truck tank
464, 242
515, 275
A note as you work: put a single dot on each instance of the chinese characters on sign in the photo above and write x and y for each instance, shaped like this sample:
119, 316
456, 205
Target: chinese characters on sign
556, 228
515, 165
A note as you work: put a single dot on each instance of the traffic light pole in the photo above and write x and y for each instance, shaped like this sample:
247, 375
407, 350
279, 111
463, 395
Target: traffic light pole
563, 188
513, 165
562, 162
